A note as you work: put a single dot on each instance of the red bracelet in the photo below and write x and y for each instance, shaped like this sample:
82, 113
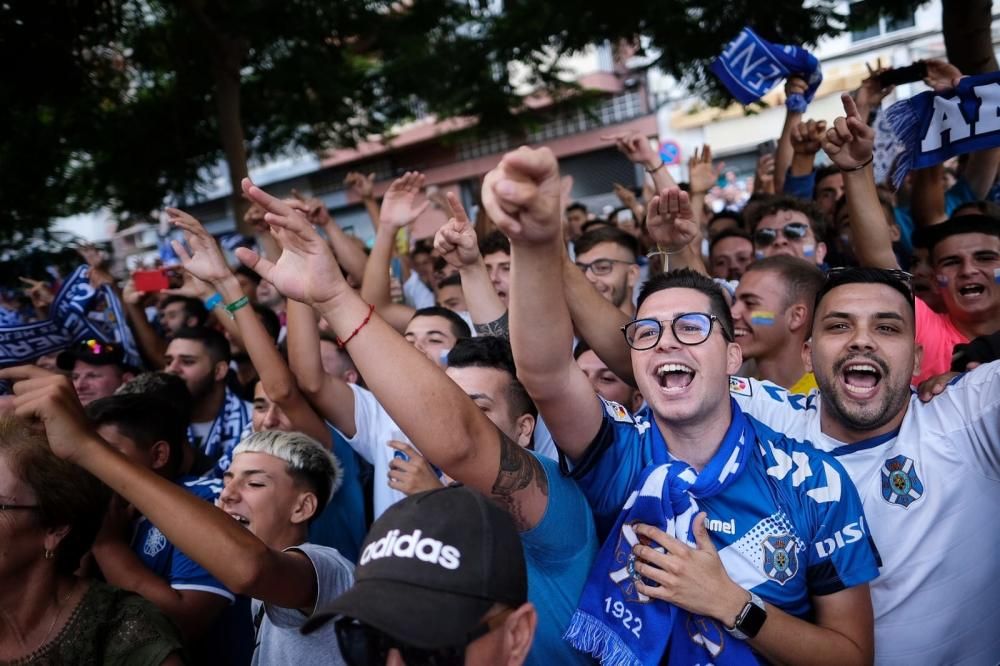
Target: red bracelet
343, 343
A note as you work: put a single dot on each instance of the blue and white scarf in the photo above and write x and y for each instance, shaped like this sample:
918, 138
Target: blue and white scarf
225, 432
616, 623
750, 66
73, 317
929, 128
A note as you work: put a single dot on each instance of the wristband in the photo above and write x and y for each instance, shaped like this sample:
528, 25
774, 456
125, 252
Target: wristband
343, 343
239, 303
862, 165
657, 168
212, 301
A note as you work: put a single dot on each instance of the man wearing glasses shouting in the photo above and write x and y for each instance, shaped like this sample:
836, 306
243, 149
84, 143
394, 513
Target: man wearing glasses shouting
785, 225
607, 256
713, 522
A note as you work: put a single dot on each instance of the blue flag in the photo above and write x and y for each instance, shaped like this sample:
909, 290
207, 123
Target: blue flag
750, 66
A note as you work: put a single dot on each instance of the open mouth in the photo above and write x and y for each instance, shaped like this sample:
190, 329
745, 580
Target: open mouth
242, 520
972, 290
674, 376
739, 332
861, 378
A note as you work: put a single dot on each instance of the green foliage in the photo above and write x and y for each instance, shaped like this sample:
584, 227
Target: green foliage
113, 102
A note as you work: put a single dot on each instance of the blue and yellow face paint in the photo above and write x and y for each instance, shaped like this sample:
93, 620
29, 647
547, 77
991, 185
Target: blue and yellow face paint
762, 318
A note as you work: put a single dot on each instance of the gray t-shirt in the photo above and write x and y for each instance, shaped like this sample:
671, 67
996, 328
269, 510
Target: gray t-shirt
279, 640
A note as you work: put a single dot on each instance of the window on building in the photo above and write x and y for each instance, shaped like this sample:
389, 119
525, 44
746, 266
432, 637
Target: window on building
882, 26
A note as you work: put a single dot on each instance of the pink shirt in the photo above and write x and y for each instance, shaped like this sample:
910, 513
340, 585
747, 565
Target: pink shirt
938, 336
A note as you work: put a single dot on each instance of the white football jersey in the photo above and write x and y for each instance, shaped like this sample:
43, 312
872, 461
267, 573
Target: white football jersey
931, 494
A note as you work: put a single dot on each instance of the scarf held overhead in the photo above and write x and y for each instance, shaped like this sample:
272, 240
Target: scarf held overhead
931, 127
616, 623
750, 66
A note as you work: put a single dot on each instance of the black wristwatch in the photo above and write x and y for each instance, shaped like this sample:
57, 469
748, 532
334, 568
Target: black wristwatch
750, 619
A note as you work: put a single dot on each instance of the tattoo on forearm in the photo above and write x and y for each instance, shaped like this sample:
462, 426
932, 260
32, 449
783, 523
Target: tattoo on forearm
519, 469
498, 328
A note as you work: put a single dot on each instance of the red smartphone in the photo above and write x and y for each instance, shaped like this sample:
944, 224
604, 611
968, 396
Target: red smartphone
150, 280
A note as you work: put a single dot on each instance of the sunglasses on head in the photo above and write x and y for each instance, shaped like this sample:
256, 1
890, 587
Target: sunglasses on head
792, 231
97, 348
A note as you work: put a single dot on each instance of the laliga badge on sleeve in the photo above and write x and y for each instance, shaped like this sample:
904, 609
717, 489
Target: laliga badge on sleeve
740, 386
616, 411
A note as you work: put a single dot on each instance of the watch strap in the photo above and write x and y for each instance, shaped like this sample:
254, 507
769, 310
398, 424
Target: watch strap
750, 619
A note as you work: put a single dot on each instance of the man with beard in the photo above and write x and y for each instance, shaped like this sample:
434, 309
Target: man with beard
917, 467
607, 256
964, 252
201, 357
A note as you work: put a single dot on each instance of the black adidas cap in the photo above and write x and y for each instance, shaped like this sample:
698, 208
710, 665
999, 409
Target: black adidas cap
431, 567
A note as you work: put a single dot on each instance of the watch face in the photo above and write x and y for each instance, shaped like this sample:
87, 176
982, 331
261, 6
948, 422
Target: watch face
752, 620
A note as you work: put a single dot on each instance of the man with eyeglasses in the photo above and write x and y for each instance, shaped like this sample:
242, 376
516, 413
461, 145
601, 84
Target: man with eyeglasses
442, 580
96, 368
785, 225
607, 256
746, 560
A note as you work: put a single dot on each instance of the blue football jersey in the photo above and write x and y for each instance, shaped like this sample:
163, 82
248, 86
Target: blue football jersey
790, 527
162, 558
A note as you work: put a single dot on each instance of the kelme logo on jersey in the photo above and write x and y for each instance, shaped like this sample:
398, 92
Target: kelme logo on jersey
781, 557
409, 546
900, 484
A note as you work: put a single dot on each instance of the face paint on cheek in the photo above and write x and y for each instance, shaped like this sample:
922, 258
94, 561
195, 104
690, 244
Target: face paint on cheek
996, 275
762, 318
942, 281
809, 250
758, 254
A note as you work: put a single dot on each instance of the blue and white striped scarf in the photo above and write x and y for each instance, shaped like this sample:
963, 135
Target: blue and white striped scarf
750, 66
616, 623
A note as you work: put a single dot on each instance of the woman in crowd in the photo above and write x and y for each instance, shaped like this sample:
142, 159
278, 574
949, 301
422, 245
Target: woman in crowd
50, 512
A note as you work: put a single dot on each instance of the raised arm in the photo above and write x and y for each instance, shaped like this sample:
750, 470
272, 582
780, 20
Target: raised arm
673, 225
457, 244
522, 196
440, 419
151, 345
364, 188
636, 148
207, 263
330, 396
702, 177
927, 196
783, 156
349, 254
849, 144
403, 203
227, 550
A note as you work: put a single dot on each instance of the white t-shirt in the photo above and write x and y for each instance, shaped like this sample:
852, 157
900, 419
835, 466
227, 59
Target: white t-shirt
931, 494
417, 294
373, 430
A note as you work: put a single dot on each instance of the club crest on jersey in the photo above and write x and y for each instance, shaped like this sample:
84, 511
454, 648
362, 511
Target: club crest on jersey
900, 484
781, 557
155, 542
706, 633
740, 386
626, 576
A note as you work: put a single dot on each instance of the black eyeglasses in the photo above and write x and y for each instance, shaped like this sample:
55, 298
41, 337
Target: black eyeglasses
690, 328
601, 266
361, 644
792, 231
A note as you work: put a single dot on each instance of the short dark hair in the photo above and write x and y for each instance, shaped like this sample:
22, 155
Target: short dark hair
988, 208
726, 214
453, 280
801, 279
605, 233
495, 241
824, 172
193, 307
576, 205
729, 233
170, 390
215, 343
685, 278
961, 224
248, 273
144, 419
781, 203
488, 351
66, 495
839, 278
459, 328
422, 246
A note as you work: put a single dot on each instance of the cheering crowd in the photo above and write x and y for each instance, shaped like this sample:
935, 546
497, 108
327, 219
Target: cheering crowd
768, 434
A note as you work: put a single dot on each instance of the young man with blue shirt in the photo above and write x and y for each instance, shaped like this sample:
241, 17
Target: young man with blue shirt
770, 503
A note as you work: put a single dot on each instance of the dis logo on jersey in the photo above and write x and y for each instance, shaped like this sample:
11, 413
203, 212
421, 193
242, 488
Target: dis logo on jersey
900, 484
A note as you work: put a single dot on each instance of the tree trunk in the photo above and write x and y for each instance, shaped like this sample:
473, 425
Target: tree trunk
227, 59
968, 39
